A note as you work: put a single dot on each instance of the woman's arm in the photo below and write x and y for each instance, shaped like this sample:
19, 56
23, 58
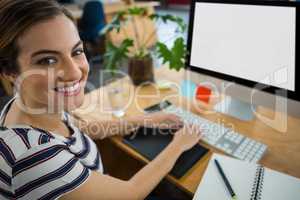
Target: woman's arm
100, 187
107, 128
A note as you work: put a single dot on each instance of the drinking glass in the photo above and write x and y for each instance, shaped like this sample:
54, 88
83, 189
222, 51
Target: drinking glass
116, 91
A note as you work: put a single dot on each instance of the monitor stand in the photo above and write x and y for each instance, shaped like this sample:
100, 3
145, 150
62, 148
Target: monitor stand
236, 108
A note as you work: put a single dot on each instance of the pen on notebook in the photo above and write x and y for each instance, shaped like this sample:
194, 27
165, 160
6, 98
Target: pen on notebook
228, 186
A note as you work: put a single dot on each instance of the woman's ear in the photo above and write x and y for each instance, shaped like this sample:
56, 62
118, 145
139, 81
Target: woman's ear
7, 82
10, 77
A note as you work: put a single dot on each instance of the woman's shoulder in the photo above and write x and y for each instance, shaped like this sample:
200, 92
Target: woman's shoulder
32, 158
18, 140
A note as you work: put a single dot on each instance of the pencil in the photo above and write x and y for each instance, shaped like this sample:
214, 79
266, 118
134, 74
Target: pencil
228, 186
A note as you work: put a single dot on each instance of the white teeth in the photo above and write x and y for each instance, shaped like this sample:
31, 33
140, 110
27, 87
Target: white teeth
69, 89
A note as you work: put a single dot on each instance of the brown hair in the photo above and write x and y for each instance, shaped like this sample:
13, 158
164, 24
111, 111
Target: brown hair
16, 16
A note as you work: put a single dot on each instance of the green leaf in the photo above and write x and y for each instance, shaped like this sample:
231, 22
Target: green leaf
175, 56
137, 11
166, 18
115, 23
163, 52
115, 54
154, 17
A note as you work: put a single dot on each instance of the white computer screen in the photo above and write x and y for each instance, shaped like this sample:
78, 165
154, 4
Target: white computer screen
251, 42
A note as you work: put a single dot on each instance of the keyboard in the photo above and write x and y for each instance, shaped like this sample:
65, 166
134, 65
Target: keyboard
222, 138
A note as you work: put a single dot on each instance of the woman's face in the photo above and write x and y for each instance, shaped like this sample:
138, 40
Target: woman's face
53, 66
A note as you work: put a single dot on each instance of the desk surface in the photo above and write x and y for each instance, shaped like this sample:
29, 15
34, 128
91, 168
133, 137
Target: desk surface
283, 148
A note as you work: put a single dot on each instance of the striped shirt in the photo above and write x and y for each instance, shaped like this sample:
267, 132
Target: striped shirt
38, 164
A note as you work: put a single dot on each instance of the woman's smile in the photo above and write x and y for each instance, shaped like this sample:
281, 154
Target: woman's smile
69, 90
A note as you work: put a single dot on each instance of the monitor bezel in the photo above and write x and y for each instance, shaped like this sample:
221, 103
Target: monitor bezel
264, 87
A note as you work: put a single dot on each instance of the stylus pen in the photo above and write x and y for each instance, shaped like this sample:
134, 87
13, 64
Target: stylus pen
228, 186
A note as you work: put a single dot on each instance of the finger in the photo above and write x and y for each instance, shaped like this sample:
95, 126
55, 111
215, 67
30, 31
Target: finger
190, 127
178, 121
199, 135
176, 126
194, 129
176, 118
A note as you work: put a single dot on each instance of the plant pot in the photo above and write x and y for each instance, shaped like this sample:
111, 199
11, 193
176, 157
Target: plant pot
141, 70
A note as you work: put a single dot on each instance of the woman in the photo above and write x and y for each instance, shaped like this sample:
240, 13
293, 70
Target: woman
43, 154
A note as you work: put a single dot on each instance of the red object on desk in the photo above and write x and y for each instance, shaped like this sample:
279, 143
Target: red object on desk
203, 93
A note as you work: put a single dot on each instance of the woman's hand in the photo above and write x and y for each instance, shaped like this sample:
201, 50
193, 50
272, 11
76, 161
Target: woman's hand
187, 137
162, 120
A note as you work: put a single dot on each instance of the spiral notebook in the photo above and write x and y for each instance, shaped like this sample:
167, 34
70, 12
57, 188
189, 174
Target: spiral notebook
249, 181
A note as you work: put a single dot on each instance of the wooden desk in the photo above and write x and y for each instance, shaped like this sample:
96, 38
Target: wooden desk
283, 148
146, 27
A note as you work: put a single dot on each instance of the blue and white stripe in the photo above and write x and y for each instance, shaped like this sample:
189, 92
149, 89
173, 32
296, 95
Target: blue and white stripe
37, 164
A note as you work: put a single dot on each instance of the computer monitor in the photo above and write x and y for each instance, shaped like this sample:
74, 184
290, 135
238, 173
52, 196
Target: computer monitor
252, 44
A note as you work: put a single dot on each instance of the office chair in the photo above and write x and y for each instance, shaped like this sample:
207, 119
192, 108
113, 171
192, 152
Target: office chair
66, 1
90, 25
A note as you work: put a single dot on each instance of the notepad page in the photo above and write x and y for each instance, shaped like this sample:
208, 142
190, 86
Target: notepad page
239, 173
279, 186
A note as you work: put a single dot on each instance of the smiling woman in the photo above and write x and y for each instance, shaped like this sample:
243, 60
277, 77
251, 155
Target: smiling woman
43, 155
51, 62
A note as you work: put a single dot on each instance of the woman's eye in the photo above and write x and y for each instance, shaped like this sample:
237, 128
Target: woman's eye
78, 52
47, 61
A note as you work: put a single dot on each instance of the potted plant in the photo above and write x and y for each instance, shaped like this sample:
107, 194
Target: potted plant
137, 51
